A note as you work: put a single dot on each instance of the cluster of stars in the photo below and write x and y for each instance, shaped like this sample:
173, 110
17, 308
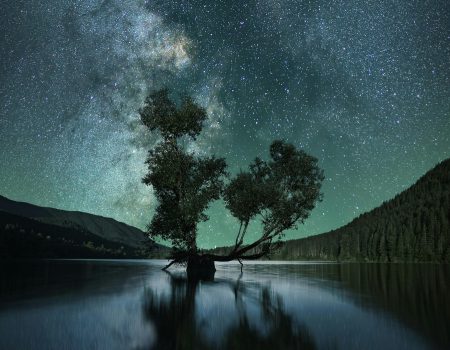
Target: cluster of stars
363, 86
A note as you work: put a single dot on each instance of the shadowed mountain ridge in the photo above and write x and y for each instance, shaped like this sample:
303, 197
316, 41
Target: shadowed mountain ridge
412, 226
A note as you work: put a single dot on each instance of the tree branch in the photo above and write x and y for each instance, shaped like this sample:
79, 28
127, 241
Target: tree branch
170, 264
237, 237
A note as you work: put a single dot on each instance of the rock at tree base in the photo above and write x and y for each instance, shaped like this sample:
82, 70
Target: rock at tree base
200, 268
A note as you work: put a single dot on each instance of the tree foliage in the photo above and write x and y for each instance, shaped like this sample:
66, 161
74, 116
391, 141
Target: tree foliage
280, 192
161, 114
184, 184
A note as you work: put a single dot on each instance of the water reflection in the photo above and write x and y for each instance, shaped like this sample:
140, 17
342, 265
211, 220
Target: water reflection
134, 305
415, 294
25, 280
175, 320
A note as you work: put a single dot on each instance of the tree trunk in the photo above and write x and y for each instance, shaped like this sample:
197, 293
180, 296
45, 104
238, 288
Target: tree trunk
200, 267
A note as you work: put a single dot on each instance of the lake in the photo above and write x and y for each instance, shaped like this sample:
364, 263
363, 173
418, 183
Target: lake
132, 304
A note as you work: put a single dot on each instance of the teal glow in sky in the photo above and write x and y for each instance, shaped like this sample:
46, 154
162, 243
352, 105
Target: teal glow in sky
363, 86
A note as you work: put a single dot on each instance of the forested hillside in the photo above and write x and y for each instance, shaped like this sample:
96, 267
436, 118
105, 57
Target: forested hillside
24, 238
413, 226
105, 228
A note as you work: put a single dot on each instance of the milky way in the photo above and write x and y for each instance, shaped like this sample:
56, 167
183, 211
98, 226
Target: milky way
363, 86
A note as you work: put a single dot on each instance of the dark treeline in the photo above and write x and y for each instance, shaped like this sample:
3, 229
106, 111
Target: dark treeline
24, 238
413, 226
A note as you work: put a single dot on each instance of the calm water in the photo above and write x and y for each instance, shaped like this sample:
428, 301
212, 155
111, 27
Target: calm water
134, 305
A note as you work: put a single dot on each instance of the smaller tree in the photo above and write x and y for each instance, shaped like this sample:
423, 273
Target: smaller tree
280, 193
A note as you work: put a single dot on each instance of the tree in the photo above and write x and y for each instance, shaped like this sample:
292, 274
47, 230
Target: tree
280, 192
184, 184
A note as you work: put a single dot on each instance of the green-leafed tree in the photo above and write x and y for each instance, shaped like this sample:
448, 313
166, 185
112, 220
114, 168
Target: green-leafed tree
279, 192
184, 184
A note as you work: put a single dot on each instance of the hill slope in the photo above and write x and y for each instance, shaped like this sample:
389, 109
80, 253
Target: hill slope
25, 238
100, 226
413, 226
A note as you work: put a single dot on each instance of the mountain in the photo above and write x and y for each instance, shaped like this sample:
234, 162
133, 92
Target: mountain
28, 230
103, 227
25, 238
413, 226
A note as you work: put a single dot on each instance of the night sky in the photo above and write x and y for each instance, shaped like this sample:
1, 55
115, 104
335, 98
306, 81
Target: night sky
362, 85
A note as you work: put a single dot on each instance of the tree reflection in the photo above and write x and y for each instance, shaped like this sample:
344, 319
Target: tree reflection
282, 334
176, 325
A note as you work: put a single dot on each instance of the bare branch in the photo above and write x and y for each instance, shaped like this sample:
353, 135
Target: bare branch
237, 237
169, 265
240, 262
243, 233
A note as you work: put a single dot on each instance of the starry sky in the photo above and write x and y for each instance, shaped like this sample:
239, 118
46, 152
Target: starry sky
362, 85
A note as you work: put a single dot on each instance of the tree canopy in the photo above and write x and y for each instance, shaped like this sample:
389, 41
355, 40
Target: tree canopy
161, 113
184, 184
280, 192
